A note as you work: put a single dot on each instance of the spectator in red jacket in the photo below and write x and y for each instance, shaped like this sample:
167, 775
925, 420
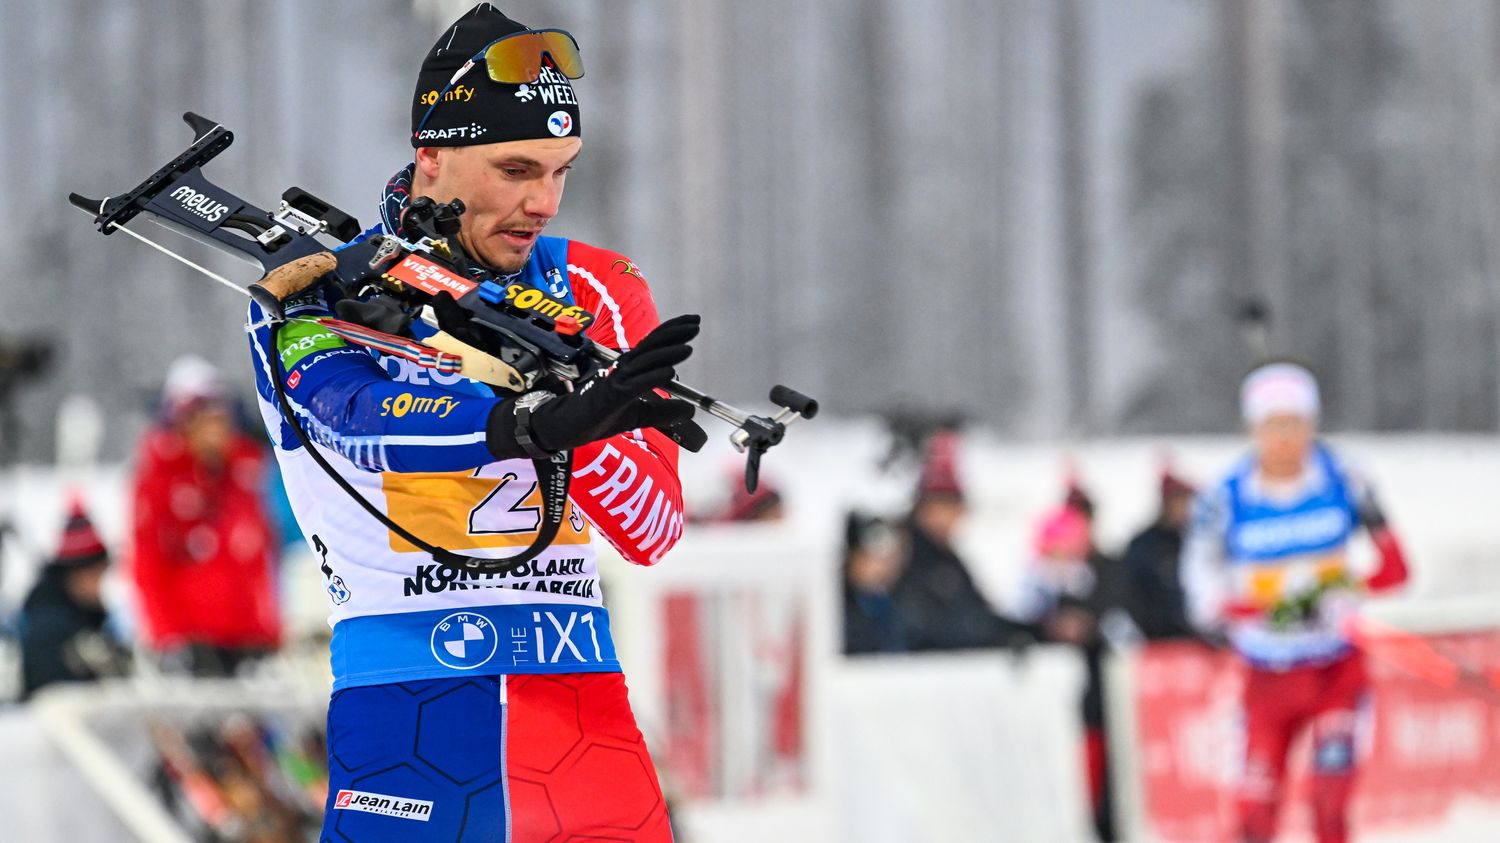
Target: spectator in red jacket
202, 545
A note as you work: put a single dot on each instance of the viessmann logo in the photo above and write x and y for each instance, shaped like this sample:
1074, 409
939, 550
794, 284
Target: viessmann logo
429, 277
200, 204
379, 803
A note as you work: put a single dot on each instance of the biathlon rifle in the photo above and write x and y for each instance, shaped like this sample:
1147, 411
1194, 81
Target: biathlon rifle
515, 337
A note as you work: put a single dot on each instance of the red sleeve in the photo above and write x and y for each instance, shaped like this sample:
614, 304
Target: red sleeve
627, 485
1392, 570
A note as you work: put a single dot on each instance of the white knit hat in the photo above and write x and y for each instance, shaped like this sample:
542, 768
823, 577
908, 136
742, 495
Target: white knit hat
190, 379
1279, 388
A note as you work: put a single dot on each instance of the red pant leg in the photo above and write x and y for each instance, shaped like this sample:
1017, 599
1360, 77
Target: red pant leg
1272, 715
1094, 754
576, 763
1344, 686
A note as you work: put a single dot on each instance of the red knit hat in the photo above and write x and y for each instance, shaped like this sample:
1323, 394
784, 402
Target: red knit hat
1172, 485
80, 544
939, 478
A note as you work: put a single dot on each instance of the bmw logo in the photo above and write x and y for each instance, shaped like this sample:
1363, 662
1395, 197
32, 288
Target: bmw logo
464, 640
560, 124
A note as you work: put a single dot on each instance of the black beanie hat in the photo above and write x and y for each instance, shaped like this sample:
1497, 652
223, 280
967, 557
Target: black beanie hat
476, 109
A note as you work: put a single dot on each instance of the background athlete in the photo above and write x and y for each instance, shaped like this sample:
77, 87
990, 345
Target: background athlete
484, 707
1266, 562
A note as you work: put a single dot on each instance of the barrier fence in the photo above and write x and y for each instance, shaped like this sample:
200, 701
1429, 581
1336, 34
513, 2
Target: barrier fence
1429, 753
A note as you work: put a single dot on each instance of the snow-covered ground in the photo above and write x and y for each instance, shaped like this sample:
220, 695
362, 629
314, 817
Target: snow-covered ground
1441, 492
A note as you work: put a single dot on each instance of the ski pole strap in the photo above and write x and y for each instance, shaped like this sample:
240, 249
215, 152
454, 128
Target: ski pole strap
407, 349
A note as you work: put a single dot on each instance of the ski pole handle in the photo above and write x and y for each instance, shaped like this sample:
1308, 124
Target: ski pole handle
289, 279
790, 399
295, 276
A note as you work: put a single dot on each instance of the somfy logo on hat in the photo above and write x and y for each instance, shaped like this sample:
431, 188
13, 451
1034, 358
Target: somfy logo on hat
560, 123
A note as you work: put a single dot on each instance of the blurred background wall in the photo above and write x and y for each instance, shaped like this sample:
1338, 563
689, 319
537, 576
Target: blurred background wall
1053, 215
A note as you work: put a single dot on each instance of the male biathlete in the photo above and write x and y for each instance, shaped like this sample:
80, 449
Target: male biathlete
1265, 562
484, 706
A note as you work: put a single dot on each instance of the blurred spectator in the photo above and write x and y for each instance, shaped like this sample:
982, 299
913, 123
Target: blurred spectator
1111, 598
739, 506
62, 620
279, 507
873, 560
763, 504
1073, 592
1078, 499
935, 593
1057, 586
203, 547
1151, 561
241, 780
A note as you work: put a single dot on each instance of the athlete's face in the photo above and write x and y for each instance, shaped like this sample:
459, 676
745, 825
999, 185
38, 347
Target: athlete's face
1282, 442
510, 192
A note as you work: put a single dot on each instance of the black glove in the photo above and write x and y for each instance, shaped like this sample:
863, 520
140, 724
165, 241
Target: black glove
614, 401
382, 313
686, 433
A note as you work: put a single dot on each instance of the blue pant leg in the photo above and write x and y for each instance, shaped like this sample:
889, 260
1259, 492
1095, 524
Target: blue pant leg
417, 762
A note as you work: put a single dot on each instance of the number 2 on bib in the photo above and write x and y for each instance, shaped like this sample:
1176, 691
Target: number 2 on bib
487, 507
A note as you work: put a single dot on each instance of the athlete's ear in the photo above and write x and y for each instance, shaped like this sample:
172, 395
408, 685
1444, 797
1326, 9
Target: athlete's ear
429, 161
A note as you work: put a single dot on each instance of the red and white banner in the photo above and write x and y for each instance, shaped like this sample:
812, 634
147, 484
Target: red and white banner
735, 693
1426, 747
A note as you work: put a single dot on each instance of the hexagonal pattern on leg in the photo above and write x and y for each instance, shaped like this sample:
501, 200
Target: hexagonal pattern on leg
448, 738
551, 714
607, 714
349, 746
633, 795
533, 816
602, 788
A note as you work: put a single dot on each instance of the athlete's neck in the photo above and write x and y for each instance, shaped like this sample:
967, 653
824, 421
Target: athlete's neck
1282, 472
1282, 480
